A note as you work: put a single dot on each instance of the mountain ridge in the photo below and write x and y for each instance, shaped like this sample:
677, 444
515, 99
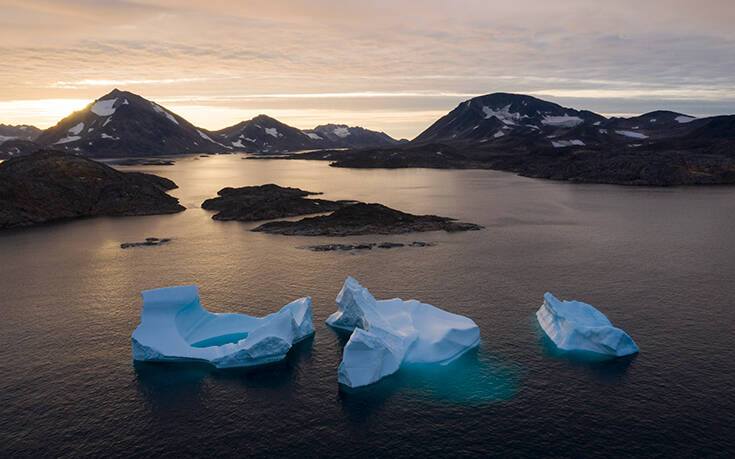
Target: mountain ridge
537, 138
124, 124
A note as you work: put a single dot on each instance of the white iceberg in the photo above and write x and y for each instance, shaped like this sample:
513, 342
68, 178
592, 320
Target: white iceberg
389, 333
577, 326
175, 327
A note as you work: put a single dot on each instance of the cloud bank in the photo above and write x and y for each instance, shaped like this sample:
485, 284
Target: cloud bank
388, 65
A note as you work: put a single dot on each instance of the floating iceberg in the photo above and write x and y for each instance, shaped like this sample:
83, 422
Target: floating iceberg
576, 326
175, 327
389, 333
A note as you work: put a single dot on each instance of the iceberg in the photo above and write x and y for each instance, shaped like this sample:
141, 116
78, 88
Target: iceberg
577, 326
389, 333
174, 327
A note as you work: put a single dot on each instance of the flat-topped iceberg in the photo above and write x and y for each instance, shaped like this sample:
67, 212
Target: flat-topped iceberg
389, 333
577, 326
175, 327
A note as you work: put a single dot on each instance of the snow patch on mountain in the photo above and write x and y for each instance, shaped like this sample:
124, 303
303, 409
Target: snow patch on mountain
163, 111
498, 134
67, 139
274, 132
562, 121
313, 135
341, 132
566, 143
684, 119
104, 107
204, 136
632, 135
76, 129
504, 114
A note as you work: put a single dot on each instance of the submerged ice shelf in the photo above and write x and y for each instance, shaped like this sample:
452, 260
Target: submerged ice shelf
389, 333
577, 326
175, 327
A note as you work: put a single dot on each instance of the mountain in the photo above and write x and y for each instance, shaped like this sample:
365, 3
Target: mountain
17, 147
52, 185
536, 138
19, 132
264, 134
123, 124
343, 136
493, 116
17, 140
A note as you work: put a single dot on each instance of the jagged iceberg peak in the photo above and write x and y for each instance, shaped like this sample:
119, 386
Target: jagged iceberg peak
357, 308
175, 327
577, 326
388, 333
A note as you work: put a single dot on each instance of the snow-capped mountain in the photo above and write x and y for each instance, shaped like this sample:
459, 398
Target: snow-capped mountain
343, 136
504, 121
264, 134
124, 124
494, 116
17, 140
537, 138
19, 132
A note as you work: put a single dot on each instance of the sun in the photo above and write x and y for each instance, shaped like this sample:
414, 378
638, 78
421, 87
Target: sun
41, 113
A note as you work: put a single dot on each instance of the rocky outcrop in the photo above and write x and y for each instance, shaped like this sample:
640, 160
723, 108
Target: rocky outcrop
149, 242
266, 202
366, 246
364, 218
51, 185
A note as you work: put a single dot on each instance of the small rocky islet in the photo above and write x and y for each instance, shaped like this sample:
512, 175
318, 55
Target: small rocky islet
347, 218
51, 185
149, 242
365, 246
267, 202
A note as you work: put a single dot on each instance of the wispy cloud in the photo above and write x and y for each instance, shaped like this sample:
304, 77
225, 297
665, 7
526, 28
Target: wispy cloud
410, 56
108, 83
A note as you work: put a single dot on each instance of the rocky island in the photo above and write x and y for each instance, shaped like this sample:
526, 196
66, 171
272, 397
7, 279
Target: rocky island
362, 218
266, 202
50, 185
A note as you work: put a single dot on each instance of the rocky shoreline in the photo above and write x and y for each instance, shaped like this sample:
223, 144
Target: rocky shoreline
50, 185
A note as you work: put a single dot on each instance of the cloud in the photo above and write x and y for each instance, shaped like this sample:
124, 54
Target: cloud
335, 53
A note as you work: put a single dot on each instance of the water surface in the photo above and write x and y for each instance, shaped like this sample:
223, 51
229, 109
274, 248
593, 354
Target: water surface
659, 262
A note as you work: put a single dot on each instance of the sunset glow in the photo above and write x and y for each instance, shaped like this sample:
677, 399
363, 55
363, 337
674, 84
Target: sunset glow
384, 65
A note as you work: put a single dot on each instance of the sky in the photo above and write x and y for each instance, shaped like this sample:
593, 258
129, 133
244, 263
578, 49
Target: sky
394, 66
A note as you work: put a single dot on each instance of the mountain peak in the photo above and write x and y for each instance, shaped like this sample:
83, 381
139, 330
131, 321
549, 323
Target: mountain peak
490, 117
264, 117
121, 123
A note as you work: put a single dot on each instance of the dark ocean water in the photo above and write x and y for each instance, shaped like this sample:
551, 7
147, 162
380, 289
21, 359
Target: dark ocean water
659, 262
